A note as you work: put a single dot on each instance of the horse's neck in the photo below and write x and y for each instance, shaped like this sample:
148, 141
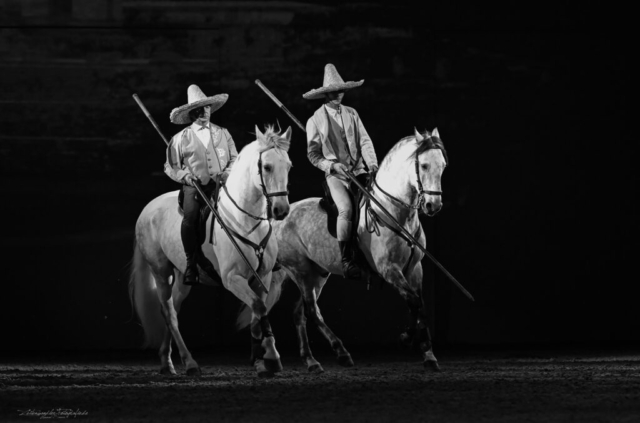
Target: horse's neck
248, 197
396, 181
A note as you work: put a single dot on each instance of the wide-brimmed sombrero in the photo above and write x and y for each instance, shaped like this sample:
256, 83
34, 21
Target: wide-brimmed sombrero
332, 82
196, 98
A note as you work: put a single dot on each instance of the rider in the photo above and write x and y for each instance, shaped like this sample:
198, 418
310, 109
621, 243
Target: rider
336, 142
200, 153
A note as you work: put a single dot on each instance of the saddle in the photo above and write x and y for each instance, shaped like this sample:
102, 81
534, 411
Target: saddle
205, 266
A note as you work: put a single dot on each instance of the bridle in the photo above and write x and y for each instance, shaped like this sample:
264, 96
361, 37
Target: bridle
372, 220
268, 195
420, 189
258, 248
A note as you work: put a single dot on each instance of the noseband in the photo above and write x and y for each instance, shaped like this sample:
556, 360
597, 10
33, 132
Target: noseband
421, 190
264, 188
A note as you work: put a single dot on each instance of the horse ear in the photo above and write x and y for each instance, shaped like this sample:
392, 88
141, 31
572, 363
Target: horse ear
418, 135
435, 133
259, 134
287, 137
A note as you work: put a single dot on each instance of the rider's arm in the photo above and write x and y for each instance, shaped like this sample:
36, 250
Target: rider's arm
314, 148
366, 145
233, 153
174, 166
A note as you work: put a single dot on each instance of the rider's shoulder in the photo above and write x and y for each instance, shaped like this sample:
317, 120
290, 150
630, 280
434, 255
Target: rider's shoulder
218, 127
350, 110
178, 136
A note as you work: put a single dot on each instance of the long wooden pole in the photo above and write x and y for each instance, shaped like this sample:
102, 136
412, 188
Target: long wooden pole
376, 202
204, 197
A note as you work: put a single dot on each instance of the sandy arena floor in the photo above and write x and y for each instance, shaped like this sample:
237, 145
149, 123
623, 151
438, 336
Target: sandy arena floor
473, 387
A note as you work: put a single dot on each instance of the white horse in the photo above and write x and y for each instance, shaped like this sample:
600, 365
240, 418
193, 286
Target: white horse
409, 181
255, 190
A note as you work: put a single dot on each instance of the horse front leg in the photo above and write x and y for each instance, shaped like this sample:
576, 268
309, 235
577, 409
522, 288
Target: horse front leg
422, 319
170, 314
417, 332
264, 356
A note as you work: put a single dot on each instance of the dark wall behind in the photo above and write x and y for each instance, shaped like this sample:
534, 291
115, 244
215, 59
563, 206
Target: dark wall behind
540, 195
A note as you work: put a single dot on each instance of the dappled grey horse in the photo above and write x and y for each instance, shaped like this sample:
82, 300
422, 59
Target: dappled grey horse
408, 182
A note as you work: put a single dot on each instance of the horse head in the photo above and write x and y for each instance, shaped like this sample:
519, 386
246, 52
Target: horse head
273, 169
430, 160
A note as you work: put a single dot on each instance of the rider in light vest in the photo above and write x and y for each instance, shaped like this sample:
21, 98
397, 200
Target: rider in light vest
337, 142
201, 152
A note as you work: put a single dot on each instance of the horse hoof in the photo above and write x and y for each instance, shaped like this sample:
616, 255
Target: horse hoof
167, 371
194, 371
274, 365
262, 370
431, 365
315, 368
345, 360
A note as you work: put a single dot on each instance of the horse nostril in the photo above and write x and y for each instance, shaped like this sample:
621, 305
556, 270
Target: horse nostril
429, 206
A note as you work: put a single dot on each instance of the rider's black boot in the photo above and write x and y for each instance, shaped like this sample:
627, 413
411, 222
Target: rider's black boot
349, 268
191, 276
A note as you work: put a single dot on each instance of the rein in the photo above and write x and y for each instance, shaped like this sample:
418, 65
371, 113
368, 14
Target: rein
257, 248
421, 191
376, 220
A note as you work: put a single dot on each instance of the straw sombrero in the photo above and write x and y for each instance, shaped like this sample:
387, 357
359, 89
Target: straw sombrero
196, 98
332, 82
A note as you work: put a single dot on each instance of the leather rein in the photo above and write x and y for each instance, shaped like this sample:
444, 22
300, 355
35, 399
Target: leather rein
421, 191
376, 220
257, 248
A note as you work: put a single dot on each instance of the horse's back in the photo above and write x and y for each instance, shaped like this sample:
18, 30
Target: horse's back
154, 229
303, 237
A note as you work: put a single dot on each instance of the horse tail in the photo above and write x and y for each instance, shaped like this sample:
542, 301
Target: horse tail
144, 299
275, 290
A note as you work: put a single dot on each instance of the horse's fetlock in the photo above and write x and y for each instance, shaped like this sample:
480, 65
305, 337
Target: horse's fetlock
269, 342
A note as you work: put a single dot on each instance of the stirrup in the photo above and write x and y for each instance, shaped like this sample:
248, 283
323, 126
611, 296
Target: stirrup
351, 271
191, 276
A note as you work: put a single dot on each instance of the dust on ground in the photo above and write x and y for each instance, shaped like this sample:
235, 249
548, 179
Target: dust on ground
383, 386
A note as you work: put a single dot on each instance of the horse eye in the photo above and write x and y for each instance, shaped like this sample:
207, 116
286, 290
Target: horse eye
267, 168
425, 166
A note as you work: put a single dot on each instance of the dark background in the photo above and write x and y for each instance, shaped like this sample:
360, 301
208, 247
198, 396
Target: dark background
539, 221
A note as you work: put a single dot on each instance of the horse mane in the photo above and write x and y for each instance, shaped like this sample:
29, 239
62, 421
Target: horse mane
430, 142
272, 139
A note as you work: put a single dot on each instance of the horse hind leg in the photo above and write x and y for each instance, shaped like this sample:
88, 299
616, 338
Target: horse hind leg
166, 365
311, 290
343, 356
300, 320
179, 293
170, 313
